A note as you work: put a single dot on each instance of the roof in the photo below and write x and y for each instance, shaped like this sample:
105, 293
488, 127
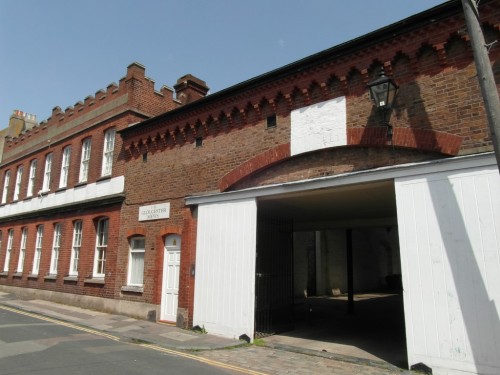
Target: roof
406, 25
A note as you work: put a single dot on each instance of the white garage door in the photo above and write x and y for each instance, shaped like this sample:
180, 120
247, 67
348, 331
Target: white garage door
449, 228
224, 297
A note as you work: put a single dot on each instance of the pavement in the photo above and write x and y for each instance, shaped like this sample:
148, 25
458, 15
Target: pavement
264, 358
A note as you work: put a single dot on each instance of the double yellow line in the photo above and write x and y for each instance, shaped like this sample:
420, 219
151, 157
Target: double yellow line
147, 346
59, 322
200, 359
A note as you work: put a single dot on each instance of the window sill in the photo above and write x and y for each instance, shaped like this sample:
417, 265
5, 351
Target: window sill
4, 274
18, 275
132, 289
80, 184
61, 189
94, 281
33, 276
71, 278
104, 178
50, 277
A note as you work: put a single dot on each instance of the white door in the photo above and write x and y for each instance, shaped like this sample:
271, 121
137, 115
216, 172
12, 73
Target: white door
224, 296
171, 267
448, 229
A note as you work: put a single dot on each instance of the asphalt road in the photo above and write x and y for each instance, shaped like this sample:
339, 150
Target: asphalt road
29, 345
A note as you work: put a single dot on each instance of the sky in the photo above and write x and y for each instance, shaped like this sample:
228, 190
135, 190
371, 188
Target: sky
57, 52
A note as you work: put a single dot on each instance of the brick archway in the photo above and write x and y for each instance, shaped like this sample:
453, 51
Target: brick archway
418, 139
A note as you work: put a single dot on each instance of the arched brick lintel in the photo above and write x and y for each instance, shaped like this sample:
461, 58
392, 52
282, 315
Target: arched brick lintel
137, 231
258, 162
170, 229
421, 139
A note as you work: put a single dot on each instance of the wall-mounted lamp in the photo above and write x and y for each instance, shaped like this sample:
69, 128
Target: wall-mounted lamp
383, 92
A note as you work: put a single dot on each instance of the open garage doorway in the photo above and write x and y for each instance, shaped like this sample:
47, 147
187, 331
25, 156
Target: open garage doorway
328, 272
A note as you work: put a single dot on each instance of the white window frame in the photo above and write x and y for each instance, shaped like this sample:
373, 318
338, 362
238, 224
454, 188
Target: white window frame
101, 248
38, 250
6, 182
31, 178
17, 187
135, 256
56, 245
22, 250
10, 241
75, 250
47, 173
66, 158
107, 152
85, 160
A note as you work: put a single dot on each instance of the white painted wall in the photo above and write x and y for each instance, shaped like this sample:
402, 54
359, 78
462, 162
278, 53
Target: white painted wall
319, 126
62, 198
449, 229
224, 298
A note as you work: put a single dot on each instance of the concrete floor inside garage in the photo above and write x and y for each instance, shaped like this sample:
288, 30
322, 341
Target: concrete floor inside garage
375, 331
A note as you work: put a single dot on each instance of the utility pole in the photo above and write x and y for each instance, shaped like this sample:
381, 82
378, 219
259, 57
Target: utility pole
484, 73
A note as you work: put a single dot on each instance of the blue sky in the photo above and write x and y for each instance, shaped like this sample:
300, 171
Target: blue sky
57, 52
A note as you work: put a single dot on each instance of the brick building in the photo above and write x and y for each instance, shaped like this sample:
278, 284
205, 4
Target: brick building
63, 189
236, 207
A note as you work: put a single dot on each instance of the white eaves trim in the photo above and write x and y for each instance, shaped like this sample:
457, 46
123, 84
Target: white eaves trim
377, 174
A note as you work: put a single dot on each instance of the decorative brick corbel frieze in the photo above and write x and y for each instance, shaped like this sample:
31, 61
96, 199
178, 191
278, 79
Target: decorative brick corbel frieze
441, 53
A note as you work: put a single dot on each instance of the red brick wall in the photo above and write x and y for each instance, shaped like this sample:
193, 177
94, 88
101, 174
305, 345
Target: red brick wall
89, 219
97, 136
439, 98
135, 92
131, 101
438, 113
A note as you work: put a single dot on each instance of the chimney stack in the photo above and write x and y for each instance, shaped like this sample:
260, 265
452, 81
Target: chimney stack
189, 89
19, 122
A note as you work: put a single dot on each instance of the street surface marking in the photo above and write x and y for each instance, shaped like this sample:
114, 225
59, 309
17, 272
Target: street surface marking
60, 322
200, 359
148, 346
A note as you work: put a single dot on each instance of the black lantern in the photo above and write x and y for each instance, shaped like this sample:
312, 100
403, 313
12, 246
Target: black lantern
383, 92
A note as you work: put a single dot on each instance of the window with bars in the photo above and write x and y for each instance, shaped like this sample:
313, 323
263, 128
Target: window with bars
17, 187
136, 261
47, 173
31, 178
107, 157
63, 180
22, 250
85, 160
6, 182
101, 247
75, 250
38, 250
56, 244
8, 253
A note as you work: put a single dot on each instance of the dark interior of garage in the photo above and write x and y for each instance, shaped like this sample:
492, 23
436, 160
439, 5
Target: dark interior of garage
328, 273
